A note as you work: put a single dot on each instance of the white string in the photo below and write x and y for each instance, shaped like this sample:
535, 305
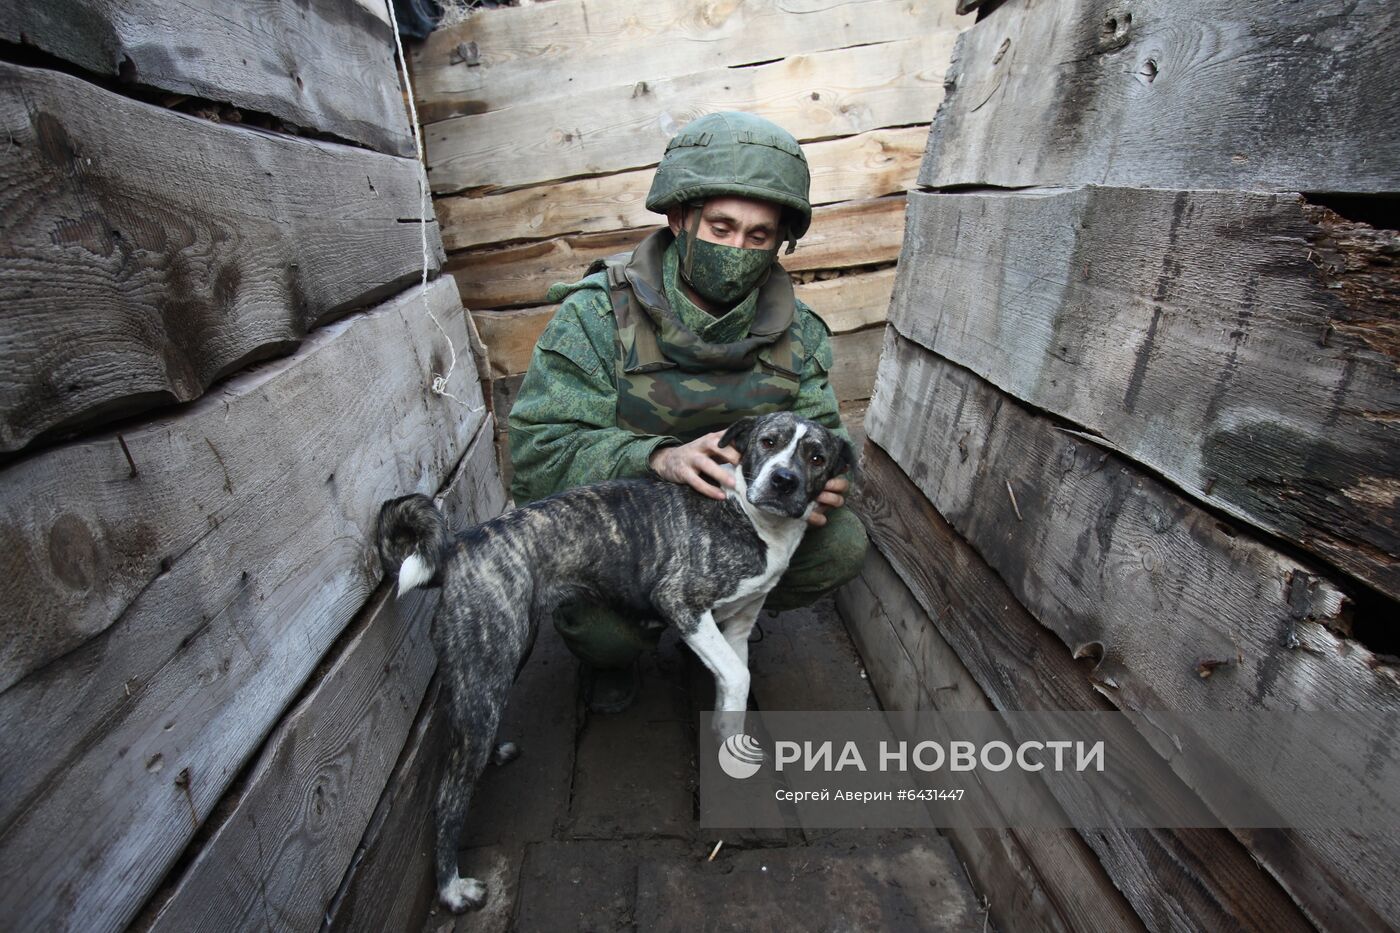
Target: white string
439, 383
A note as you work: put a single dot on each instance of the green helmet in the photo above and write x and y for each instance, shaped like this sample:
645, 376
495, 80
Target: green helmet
733, 153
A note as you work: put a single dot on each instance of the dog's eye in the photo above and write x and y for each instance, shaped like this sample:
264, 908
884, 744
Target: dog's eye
818, 460
766, 443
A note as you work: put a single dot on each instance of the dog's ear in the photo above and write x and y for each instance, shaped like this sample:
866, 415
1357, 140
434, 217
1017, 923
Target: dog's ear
845, 459
737, 435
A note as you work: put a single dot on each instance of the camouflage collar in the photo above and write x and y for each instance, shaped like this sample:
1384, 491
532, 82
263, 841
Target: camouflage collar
776, 306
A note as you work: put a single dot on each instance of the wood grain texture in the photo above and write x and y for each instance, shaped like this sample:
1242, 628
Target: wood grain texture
194, 598
593, 46
149, 254
1243, 345
868, 165
855, 358
278, 859
1123, 569
323, 64
92, 531
284, 844
816, 96
856, 233
389, 884
1171, 94
851, 302
847, 304
1188, 879
1033, 879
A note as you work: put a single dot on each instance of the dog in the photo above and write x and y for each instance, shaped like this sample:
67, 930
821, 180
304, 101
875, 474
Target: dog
644, 546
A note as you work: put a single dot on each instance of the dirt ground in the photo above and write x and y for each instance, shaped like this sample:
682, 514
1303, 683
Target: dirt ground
595, 826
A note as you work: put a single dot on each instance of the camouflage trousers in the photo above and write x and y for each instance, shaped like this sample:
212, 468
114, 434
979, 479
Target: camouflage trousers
827, 557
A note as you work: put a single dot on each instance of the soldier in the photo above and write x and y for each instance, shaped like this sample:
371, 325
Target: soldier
656, 351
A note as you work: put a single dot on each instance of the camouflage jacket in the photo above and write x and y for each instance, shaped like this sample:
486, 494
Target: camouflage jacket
577, 419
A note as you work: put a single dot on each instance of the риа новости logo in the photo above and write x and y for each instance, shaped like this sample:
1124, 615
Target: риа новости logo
740, 756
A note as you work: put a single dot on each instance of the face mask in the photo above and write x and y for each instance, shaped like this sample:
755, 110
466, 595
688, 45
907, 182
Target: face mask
722, 274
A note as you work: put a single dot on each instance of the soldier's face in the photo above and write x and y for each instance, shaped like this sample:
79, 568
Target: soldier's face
744, 223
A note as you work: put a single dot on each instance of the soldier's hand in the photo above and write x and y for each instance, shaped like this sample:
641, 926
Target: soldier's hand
829, 498
697, 465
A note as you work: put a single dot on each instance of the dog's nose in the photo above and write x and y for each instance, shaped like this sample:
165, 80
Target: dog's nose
785, 480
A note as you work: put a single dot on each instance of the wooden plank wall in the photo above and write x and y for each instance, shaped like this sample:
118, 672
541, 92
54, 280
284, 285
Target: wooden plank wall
544, 124
1135, 438
217, 364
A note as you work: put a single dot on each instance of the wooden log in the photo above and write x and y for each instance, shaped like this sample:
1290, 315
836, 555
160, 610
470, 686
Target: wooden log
389, 884
847, 304
1092, 92
1187, 879
149, 253
87, 548
321, 64
870, 165
816, 96
494, 61
194, 597
279, 857
1033, 879
1124, 570
1243, 345
510, 336
855, 360
851, 302
283, 845
857, 233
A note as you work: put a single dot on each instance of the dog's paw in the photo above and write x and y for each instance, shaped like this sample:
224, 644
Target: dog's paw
463, 894
505, 752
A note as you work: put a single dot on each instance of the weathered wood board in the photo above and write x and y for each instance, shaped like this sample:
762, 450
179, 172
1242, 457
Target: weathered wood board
869, 165
279, 857
196, 595
920, 887
284, 843
1245, 94
326, 65
847, 304
149, 253
495, 58
1123, 569
851, 302
1243, 345
816, 96
389, 884
855, 358
857, 233
95, 524
1189, 879
1034, 879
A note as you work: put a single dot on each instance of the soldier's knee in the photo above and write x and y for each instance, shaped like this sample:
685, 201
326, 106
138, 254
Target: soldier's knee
601, 637
845, 552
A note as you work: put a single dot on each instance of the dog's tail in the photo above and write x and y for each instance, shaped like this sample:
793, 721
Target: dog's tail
413, 541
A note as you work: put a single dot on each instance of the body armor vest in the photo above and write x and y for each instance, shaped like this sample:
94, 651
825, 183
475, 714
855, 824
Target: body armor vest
671, 382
